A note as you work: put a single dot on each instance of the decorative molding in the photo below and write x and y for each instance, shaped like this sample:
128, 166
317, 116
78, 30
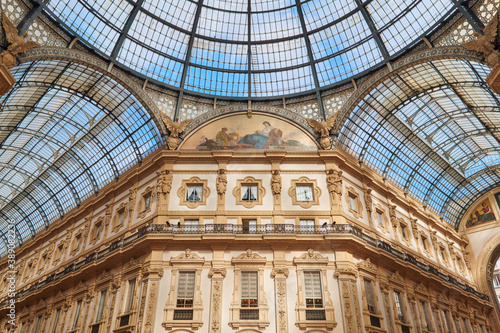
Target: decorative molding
181, 192
351, 193
316, 191
261, 192
143, 211
187, 257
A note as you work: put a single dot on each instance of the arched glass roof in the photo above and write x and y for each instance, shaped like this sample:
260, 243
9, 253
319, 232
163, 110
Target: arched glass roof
252, 48
432, 130
67, 130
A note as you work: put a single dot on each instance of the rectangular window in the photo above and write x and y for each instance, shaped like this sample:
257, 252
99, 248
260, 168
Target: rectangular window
424, 243
56, 321
130, 295
304, 193
191, 226
427, 318
306, 226
496, 280
185, 290
403, 231
400, 307
447, 321
313, 289
370, 297
249, 290
194, 192
380, 220
147, 201
78, 242
249, 192
121, 215
77, 314
37, 326
59, 252
249, 226
100, 307
98, 230
466, 325
352, 202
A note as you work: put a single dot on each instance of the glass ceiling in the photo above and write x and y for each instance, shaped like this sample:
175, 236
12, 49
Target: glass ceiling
432, 130
253, 48
67, 130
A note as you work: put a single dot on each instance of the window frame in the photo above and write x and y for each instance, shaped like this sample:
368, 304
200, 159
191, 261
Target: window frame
144, 209
193, 181
352, 196
121, 208
249, 181
304, 181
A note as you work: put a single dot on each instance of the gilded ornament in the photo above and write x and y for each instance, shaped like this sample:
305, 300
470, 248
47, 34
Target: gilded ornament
323, 129
175, 129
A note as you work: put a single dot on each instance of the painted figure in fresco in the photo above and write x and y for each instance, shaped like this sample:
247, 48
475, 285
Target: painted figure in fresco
268, 136
222, 138
480, 215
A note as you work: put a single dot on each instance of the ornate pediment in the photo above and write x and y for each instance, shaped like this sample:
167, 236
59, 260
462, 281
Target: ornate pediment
249, 257
396, 278
420, 288
187, 257
104, 276
310, 257
367, 266
80, 287
59, 295
133, 264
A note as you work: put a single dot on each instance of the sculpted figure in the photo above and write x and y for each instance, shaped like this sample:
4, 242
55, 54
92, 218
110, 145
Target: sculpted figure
324, 129
175, 129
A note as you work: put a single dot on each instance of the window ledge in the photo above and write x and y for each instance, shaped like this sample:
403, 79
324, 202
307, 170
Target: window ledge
191, 324
235, 324
325, 324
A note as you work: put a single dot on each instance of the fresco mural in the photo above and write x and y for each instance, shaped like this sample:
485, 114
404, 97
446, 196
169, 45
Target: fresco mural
242, 133
481, 214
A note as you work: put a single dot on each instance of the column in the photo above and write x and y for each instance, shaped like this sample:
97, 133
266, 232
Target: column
217, 275
280, 275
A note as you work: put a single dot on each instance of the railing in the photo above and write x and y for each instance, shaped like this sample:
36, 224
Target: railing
183, 314
249, 314
315, 315
239, 229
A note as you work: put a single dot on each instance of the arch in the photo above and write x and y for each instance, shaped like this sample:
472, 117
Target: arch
445, 52
71, 55
483, 272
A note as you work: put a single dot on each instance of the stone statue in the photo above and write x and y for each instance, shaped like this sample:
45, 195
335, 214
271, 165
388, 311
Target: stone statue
485, 44
276, 182
368, 199
17, 43
334, 183
221, 182
175, 129
323, 129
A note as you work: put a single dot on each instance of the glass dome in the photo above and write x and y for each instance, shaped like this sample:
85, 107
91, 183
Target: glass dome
250, 49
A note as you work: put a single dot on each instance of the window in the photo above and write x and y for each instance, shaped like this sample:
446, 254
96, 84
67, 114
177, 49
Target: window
400, 307
121, 216
370, 297
130, 296
442, 252
313, 290
447, 321
37, 326
249, 290
77, 314
249, 192
481, 326
380, 220
147, 201
352, 202
424, 243
100, 307
60, 250
78, 241
306, 226
24, 323
56, 321
304, 193
427, 318
249, 226
496, 280
185, 291
466, 325
403, 231
194, 193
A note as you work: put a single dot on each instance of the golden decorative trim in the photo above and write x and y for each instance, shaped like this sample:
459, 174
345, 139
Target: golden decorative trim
249, 181
292, 192
351, 193
193, 181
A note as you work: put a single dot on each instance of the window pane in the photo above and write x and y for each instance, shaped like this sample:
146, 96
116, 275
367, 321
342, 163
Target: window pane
147, 201
56, 321
249, 192
130, 297
352, 203
194, 192
379, 219
249, 289
77, 314
102, 302
185, 290
121, 214
312, 288
399, 307
304, 193
370, 297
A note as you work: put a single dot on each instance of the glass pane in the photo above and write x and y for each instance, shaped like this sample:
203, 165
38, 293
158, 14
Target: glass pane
304, 193
194, 192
